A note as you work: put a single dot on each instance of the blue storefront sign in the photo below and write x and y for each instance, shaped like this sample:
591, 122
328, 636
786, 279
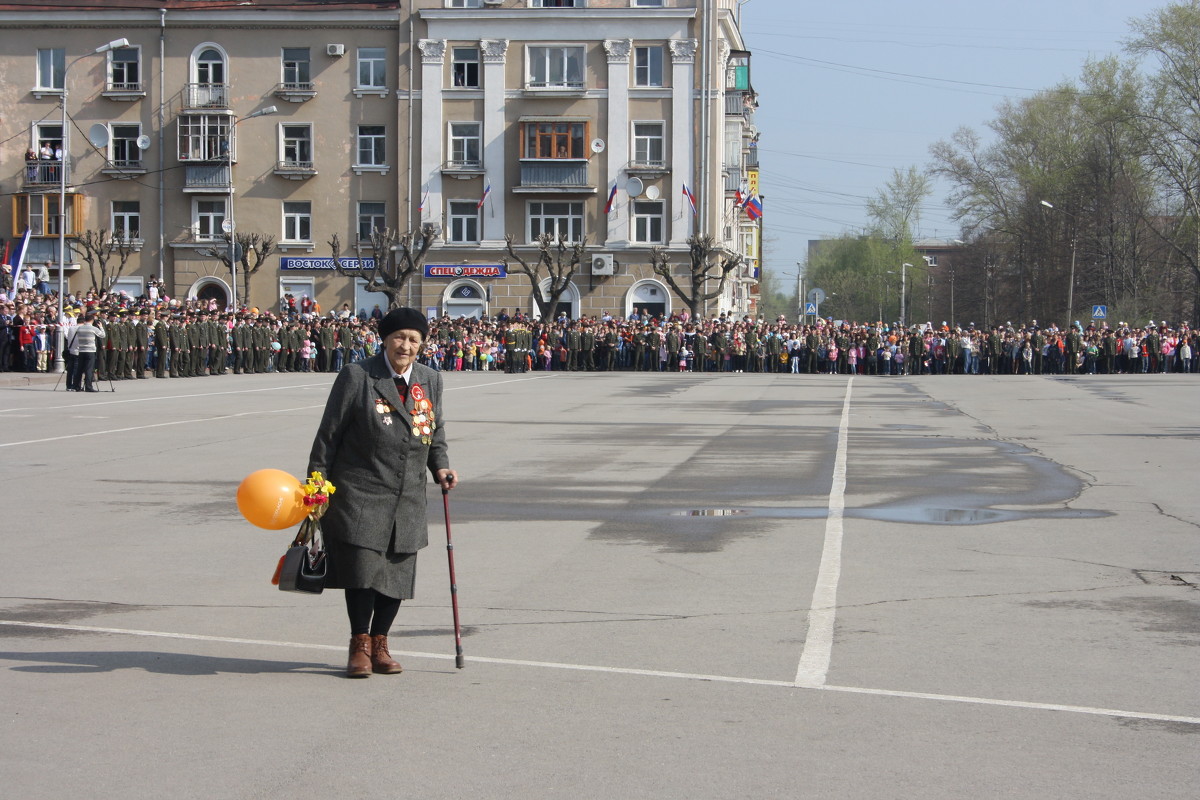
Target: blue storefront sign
466, 271
304, 262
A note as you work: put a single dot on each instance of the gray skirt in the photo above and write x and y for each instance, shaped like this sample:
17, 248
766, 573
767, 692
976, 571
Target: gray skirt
351, 567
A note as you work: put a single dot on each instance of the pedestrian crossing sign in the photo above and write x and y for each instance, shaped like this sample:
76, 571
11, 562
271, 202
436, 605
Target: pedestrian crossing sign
810, 308
1099, 312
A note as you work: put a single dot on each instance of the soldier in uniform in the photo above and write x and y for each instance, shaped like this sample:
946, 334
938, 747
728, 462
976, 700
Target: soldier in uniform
162, 346
654, 342
842, 339
179, 347
141, 342
574, 343
1037, 344
872, 347
587, 346
674, 343
1074, 347
812, 343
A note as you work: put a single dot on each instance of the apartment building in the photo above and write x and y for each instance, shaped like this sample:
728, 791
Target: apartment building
301, 120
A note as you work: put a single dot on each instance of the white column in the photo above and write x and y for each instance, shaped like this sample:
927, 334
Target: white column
615, 226
433, 138
683, 140
493, 51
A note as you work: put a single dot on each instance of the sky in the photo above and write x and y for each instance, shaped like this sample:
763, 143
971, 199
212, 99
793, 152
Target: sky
850, 91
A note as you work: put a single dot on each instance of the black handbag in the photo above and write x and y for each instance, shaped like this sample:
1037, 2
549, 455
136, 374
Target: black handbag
303, 566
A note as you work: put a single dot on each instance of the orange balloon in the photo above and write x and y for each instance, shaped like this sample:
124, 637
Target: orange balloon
271, 499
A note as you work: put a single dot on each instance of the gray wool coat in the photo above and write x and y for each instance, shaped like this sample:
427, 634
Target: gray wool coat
379, 470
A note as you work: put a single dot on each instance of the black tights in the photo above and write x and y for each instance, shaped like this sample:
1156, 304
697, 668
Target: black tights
370, 612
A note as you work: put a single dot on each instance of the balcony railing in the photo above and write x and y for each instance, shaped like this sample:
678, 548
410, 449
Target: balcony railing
136, 86
206, 95
206, 177
739, 103
296, 91
554, 174
44, 173
295, 170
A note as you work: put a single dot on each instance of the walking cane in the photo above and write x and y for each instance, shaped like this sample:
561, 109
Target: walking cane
458, 650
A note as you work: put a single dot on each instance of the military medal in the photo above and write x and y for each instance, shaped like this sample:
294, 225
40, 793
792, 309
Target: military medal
422, 414
384, 410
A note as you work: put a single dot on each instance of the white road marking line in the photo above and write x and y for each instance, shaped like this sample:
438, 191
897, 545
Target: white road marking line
214, 419
818, 643
647, 673
84, 404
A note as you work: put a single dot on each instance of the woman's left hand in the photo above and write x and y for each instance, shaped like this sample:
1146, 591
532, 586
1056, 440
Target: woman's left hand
447, 479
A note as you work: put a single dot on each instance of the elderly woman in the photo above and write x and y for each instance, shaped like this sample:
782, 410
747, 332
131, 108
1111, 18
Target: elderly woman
382, 428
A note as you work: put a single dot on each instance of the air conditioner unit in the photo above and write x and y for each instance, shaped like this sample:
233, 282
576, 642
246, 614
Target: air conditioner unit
602, 264
335, 49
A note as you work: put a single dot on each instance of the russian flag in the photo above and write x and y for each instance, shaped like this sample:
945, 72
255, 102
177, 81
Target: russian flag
739, 195
486, 191
424, 200
612, 198
754, 207
18, 255
691, 198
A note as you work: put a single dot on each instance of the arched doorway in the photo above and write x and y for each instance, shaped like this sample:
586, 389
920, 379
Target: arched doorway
648, 297
568, 302
464, 298
209, 289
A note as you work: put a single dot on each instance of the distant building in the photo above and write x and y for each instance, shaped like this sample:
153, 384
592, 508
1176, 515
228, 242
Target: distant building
387, 115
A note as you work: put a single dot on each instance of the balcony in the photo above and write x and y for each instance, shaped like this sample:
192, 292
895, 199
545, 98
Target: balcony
127, 92
554, 175
124, 169
296, 92
648, 168
296, 170
205, 96
740, 103
44, 174
463, 170
208, 178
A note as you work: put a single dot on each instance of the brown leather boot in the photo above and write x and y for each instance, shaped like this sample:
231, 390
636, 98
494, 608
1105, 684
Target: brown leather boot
359, 665
381, 660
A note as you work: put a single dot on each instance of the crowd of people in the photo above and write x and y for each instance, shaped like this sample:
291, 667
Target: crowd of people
171, 338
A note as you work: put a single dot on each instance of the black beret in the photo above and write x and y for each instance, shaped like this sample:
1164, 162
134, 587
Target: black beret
403, 319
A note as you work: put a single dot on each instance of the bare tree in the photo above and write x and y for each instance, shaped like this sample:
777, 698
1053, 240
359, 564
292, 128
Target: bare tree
560, 259
97, 249
707, 262
396, 259
252, 251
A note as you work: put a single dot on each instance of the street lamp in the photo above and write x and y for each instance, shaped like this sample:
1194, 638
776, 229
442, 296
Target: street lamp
262, 112
59, 363
1071, 283
903, 295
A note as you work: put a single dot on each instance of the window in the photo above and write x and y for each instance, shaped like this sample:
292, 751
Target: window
126, 220
556, 67
210, 67
465, 4
649, 143
465, 144
51, 67
370, 219
648, 66
49, 140
647, 3
207, 216
296, 144
557, 3
372, 146
124, 69
297, 73
39, 212
297, 222
372, 68
205, 137
648, 221
464, 221
123, 149
557, 219
555, 140
464, 67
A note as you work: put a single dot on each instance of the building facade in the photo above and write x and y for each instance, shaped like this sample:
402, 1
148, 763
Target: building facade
601, 121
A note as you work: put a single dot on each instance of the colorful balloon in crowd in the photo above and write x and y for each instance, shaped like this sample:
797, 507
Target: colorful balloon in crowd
271, 499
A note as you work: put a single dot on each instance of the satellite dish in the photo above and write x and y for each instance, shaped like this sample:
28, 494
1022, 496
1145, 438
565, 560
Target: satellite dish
635, 187
143, 142
98, 135
816, 296
597, 145
652, 193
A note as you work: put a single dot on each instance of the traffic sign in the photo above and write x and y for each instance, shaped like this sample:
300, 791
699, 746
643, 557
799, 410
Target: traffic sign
810, 308
1099, 312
